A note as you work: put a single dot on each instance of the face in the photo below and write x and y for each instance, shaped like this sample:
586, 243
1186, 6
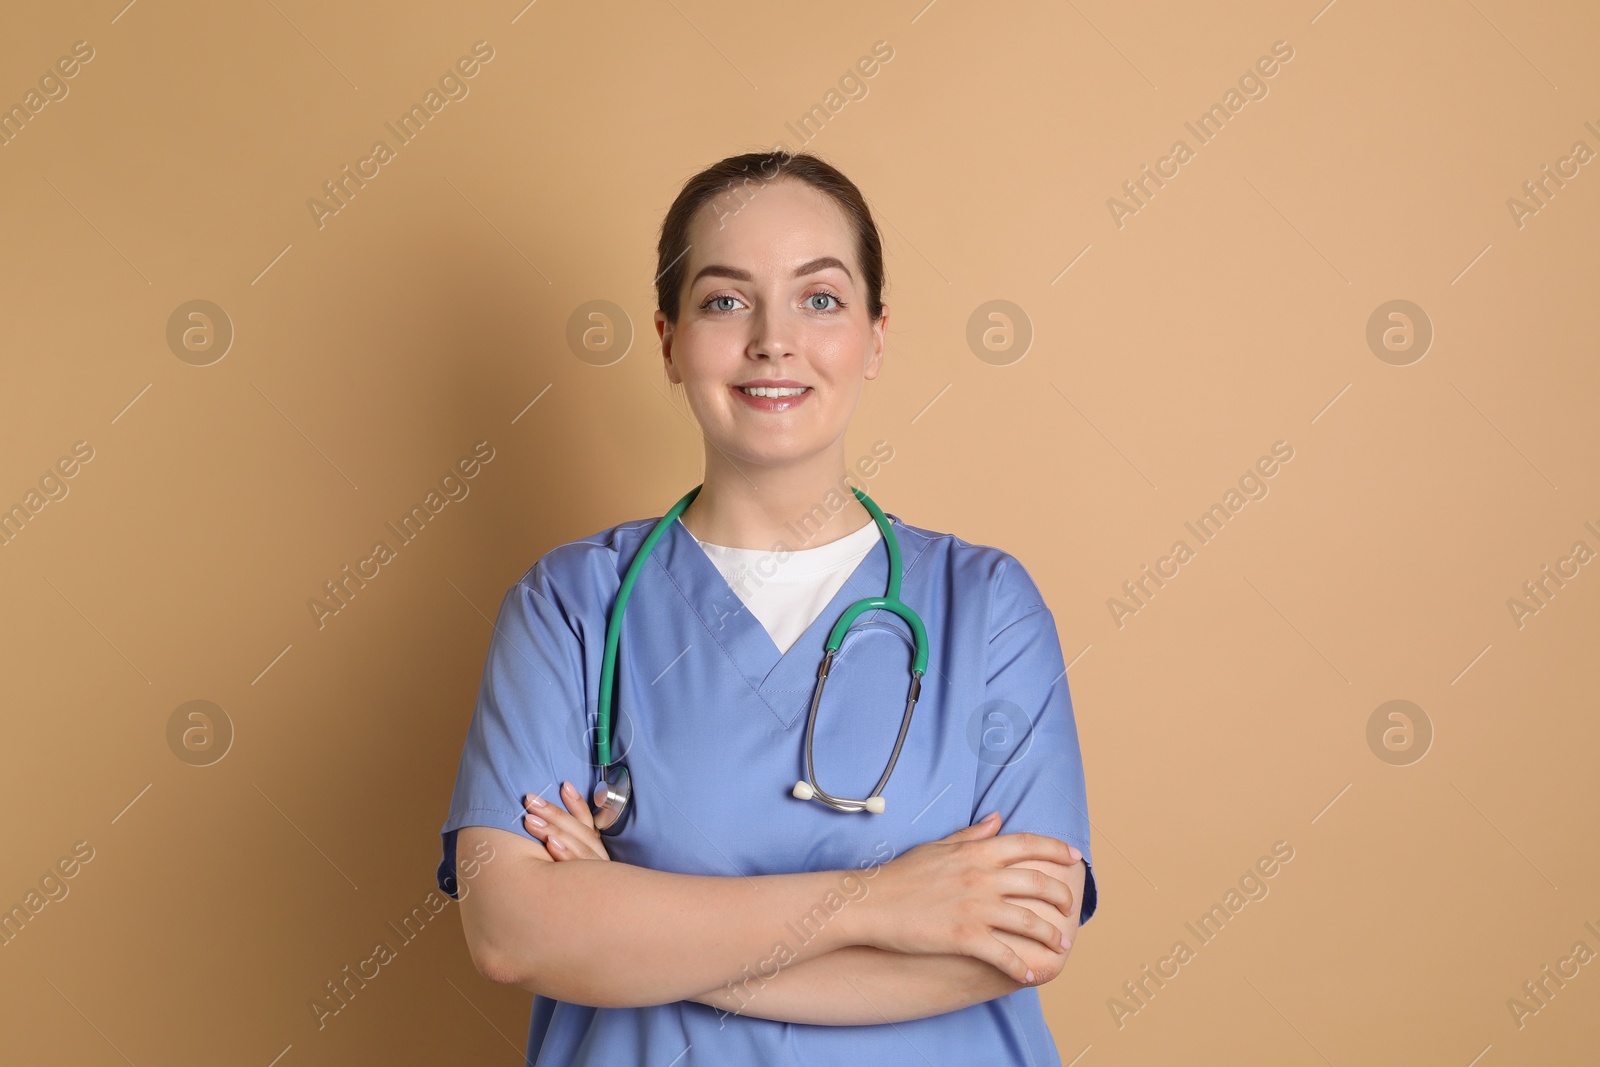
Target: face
773, 293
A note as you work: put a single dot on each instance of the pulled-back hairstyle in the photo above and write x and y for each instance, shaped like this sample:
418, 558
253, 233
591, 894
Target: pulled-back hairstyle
740, 178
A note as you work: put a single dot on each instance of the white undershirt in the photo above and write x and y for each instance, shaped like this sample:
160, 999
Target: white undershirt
786, 595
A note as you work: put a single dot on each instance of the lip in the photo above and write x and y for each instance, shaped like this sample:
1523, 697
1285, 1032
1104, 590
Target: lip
772, 403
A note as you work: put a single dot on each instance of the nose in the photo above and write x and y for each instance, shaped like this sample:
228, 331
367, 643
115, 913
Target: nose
770, 333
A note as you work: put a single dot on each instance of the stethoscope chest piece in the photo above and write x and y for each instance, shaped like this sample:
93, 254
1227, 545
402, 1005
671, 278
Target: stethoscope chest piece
611, 798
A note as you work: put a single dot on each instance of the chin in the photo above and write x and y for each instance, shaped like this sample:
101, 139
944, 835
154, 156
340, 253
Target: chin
768, 452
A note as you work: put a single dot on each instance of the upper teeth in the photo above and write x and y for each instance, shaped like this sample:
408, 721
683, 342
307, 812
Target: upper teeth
771, 390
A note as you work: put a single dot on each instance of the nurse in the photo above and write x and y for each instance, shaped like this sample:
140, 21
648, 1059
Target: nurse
723, 919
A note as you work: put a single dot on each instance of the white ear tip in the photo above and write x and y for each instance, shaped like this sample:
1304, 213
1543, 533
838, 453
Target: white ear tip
875, 805
803, 790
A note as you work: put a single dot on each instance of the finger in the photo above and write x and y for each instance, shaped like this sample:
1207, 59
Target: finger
1036, 847
577, 804
544, 821
564, 846
1036, 885
581, 839
548, 814
984, 827
539, 832
1005, 959
541, 812
1024, 922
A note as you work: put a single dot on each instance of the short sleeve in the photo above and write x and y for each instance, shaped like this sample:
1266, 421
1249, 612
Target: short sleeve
1030, 768
529, 726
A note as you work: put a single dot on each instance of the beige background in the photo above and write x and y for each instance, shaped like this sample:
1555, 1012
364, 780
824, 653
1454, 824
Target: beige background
1228, 313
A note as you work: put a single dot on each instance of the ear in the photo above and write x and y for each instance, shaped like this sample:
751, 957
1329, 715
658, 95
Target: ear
664, 331
875, 358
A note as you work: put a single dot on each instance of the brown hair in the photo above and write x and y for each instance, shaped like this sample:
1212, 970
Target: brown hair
758, 168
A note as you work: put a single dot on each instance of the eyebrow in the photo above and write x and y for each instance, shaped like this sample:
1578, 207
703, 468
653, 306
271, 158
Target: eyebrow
809, 267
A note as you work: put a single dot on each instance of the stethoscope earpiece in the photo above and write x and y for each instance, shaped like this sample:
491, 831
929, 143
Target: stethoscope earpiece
804, 791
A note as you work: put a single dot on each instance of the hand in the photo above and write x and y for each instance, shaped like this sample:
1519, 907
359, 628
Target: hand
567, 835
955, 895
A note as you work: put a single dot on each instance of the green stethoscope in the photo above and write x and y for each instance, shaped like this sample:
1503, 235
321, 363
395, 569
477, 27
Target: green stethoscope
616, 787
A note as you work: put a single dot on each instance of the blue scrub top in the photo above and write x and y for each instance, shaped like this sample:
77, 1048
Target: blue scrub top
711, 723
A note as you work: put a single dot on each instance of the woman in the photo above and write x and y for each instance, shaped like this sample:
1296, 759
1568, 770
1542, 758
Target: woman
736, 923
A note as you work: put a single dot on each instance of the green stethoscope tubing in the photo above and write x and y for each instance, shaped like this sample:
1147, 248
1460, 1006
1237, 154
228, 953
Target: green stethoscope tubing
890, 601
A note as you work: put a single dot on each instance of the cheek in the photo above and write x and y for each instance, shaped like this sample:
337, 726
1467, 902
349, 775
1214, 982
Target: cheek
837, 358
709, 348
706, 365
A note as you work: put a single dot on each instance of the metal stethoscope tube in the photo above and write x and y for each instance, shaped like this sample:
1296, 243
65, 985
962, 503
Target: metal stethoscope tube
809, 789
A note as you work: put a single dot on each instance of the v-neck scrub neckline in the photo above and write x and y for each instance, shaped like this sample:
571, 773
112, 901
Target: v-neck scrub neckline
783, 680
786, 590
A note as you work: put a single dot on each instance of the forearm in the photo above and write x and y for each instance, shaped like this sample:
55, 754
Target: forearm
859, 985
617, 935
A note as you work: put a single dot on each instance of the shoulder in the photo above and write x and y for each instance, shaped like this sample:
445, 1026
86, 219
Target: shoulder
580, 567
970, 568
574, 584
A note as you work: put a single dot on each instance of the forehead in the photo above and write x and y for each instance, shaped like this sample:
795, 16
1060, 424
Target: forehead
768, 228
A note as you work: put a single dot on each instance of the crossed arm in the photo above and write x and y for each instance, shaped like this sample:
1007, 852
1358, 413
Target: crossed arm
842, 984
860, 985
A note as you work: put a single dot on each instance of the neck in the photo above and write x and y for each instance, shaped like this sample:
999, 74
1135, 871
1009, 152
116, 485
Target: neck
798, 506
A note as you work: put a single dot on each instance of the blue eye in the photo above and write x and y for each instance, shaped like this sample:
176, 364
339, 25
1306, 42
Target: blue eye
710, 303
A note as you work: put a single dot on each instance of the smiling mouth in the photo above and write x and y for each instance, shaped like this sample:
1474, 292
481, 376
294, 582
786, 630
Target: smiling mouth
771, 391
773, 399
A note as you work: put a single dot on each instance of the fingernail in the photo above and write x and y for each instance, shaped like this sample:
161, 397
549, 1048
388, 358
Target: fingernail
555, 842
536, 800
567, 787
1074, 853
993, 815
1065, 943
535, 819
1030, 975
